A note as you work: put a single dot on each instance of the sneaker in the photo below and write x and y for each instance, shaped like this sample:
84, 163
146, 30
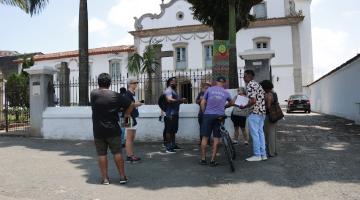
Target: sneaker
105, 181
235, 142
203, 162
176, 147
246, 143
264, 158
170, 150
132, 159
254, 158
213, 163
123, 180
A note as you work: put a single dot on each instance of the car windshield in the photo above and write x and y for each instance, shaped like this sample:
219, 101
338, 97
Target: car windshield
292, 97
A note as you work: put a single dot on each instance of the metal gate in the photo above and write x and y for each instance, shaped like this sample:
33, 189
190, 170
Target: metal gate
15, 109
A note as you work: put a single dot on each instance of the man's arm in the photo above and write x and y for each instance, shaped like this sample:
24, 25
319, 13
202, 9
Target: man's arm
203, 105
128, 111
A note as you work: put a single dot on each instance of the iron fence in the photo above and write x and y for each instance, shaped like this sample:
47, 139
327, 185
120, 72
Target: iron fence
189, 84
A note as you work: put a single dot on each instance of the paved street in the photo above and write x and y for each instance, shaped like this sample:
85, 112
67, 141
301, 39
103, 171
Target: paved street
318, 159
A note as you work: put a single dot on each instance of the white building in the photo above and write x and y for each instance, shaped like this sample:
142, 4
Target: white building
336, 93
280, 37
112, 60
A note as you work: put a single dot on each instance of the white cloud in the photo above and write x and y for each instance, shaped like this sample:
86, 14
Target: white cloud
124, 11
351, 13
331, 48
96, 25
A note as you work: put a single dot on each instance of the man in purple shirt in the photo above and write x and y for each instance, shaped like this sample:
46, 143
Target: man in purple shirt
213, 106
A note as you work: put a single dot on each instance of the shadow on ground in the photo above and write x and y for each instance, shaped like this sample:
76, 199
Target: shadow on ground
312, 148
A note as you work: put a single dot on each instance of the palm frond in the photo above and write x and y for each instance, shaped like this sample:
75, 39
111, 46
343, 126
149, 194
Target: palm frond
135, 63
29, 6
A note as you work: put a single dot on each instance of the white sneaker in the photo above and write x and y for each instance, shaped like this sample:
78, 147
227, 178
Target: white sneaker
254, 158
264, 158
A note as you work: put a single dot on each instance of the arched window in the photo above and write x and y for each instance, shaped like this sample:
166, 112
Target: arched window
260, 10
261, 43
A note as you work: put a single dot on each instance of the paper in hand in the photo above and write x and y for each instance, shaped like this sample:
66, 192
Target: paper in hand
241, 100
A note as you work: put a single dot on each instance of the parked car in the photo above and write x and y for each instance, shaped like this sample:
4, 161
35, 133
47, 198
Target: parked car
298, 102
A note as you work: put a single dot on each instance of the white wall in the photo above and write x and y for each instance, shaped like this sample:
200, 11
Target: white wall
75, 123
306, 42
283, 81
98, 63
275, 8
280, 42
170, 17
337, 94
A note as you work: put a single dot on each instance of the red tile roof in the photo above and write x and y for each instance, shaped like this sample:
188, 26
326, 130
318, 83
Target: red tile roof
95, 51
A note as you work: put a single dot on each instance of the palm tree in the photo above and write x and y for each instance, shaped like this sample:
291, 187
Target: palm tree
148, 64
83, 54
29, 6
34, 7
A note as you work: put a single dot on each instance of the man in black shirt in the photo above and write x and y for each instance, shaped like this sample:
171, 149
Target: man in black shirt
106, 105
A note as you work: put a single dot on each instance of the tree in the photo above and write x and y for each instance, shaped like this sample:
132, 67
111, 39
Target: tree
34, 7
83, 54
29, 6
145, 64
217, 15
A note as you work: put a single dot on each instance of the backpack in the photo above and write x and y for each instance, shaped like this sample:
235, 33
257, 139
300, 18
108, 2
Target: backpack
162, 102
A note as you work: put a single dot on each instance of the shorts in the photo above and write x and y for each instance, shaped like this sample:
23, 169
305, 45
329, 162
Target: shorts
103, 144
238, 121
210, 124
172, 124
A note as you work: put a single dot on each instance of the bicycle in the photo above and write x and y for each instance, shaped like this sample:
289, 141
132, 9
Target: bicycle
229, 148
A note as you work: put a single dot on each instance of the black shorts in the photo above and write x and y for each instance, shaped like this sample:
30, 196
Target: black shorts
238, 121
210, 124
113, 143
172, 124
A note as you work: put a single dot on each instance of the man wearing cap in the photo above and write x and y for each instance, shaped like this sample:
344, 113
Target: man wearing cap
213, 106
131, 131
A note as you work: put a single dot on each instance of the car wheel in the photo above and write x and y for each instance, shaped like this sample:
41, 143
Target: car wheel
309, 111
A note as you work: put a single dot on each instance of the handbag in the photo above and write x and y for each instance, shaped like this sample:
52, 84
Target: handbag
275, 113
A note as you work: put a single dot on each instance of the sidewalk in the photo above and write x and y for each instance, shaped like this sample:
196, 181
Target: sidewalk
318, 159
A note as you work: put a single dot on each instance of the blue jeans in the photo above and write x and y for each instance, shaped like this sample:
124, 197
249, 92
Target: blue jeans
256, 127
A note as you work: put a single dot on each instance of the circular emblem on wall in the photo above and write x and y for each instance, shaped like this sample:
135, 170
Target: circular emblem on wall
222, 48
179, 15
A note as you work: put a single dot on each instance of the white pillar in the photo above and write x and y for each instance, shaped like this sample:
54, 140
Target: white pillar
40, 77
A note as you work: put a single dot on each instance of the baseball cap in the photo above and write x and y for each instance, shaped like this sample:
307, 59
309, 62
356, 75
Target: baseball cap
132, 80
221, 79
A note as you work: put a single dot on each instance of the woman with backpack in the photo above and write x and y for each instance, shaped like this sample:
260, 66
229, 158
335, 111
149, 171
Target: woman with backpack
238, 117
269, 127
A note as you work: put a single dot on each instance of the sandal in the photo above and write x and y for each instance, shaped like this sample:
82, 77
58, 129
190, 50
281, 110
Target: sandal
213, 163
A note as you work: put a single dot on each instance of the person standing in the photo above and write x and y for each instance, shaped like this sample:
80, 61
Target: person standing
213, 106
270, 127
200, 96
172, 115
131, 131
256, 96
106, 105
238, 117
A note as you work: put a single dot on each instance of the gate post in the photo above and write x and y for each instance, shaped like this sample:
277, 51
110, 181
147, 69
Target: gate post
40, 77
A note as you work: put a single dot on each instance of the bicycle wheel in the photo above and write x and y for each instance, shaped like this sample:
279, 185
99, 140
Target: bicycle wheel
232, 148
227, 151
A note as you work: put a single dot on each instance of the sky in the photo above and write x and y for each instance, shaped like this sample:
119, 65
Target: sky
335, 28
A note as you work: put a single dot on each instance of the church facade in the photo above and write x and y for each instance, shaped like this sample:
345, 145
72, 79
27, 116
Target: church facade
277, 45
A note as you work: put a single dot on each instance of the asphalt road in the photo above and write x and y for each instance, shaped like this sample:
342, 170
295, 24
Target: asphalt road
318, 159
